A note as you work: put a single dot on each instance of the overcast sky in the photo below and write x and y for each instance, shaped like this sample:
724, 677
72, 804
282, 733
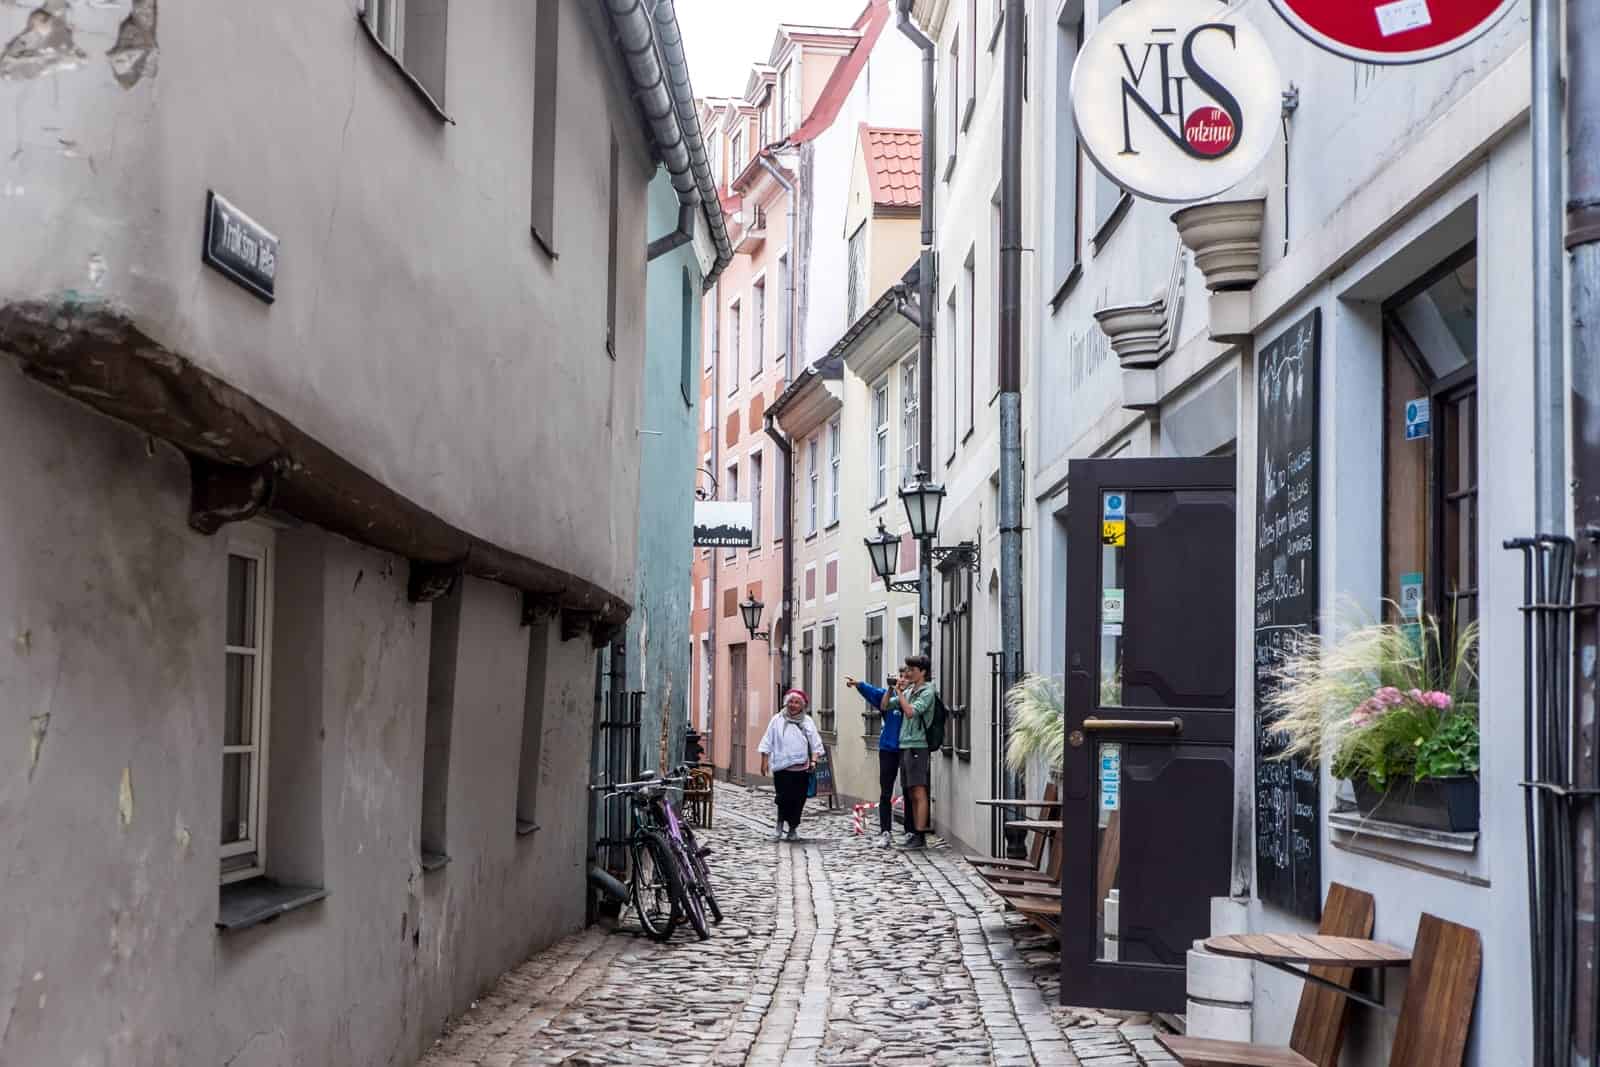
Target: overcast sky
724, 37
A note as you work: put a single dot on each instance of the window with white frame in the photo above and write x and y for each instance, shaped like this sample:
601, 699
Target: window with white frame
910, 429
969, 311
952, 354
1067, 218
972, 60
766, 121
733, 494
784, 325
785, 112
758, 343
713, 321
413, 32
880, 441
833, 472
856, 283
755, 498
736, 151
953, 107
734, 334
814, 473
246, 702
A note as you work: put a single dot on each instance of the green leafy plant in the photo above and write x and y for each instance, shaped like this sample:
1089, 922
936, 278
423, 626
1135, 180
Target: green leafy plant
1037, 722
1385, 702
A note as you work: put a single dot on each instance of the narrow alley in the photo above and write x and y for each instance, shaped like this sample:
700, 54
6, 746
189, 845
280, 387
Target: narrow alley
832, 952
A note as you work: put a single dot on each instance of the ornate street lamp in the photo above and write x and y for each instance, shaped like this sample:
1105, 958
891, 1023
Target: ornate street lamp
885, 552
751, 609
923, 500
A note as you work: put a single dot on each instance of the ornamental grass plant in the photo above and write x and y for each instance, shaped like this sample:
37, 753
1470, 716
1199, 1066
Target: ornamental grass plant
1037, 722
1386, 702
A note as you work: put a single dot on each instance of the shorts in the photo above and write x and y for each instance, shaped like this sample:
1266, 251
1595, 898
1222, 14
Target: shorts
914, 768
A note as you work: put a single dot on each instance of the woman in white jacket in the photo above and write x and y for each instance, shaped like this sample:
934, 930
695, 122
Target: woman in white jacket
789, 751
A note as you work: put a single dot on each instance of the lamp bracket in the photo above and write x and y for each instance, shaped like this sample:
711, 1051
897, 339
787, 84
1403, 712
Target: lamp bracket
912, 586
761, 635
964, 554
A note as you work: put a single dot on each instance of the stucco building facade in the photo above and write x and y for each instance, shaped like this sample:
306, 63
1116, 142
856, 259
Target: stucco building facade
303, 606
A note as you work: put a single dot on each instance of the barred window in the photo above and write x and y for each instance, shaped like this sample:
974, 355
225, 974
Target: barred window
825, 709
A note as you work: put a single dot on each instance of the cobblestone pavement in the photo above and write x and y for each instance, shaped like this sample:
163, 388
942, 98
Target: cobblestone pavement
832, 952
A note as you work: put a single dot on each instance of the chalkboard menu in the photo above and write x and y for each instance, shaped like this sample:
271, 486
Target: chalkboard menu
1288, 810
824, 774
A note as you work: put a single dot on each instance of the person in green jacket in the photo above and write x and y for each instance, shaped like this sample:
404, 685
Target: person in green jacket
915, 701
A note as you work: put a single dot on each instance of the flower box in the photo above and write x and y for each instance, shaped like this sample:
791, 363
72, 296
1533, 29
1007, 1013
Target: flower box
1448, 804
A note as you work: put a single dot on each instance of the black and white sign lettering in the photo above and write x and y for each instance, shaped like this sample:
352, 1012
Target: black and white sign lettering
1176, 100
240, 247
724, 524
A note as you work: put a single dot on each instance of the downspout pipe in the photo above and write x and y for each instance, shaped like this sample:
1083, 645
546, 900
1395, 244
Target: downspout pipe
1549, 317
792, 238
786, 449
1011, 365
677, 238
926, 287
1583, 246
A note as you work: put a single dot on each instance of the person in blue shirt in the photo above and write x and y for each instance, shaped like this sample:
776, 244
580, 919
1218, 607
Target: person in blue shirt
888, 750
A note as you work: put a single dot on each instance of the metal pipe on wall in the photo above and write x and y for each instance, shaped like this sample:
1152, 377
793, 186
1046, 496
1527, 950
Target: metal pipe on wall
1011, 357
785, 666
1583, 245
1549, 321
794, 311
926, 287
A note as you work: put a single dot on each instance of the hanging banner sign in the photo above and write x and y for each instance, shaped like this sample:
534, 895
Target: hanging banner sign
1392, 31
1176, 100
724, 523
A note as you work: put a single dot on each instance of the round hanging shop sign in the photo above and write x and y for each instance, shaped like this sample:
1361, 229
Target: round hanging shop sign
1176, 100
1392, 31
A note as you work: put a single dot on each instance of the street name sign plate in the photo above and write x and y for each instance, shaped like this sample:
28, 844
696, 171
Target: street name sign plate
1176, 100
240, 247
1392, 31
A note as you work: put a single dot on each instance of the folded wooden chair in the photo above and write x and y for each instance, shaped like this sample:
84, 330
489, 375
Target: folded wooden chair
1041, 839
1434, 1017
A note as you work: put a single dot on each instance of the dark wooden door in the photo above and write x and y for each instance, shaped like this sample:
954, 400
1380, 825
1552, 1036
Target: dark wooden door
740, 712
1149, 765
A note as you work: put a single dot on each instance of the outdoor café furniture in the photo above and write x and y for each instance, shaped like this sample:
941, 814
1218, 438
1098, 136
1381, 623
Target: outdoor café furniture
699, 794
1051, 805
1434, 1016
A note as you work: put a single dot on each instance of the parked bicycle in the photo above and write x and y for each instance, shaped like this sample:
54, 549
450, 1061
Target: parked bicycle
668, 880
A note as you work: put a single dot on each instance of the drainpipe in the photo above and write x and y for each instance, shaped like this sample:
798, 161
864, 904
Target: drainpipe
716, 467
677, 238
785, 671
1583, 244
1011, 366
1549, 324
794, 311
925, 309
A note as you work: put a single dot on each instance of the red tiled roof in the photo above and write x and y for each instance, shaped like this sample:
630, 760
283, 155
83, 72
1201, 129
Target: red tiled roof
894, 165
871, 23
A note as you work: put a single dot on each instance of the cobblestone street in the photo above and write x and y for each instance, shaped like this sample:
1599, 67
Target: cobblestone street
832, 952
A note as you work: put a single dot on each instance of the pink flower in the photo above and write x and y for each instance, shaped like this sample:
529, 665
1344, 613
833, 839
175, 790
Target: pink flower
1388, 697
1437, 699
1361, 716
1416, 696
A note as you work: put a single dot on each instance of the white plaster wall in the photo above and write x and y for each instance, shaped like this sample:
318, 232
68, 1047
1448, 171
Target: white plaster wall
411, 299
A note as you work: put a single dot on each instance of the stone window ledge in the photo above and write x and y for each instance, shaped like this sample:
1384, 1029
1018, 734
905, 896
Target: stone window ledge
242, 905
1357, 825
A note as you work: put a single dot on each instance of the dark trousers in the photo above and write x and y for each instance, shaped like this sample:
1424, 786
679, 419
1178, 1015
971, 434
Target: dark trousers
888, 768
791, 790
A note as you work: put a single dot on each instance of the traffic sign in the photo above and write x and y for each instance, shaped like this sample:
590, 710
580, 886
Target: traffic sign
1392, 31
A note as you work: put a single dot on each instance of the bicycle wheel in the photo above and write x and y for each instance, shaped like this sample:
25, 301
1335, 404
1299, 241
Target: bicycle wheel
656, 887
688, 887
702, 874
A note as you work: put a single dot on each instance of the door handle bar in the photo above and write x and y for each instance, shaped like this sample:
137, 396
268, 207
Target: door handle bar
1173, 725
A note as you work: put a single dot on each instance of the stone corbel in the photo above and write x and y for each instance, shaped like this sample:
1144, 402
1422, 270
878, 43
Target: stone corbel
428, 582
1225, 237
220, 493
1137, 332
1140, 390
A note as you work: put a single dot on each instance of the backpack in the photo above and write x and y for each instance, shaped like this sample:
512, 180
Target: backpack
934, 728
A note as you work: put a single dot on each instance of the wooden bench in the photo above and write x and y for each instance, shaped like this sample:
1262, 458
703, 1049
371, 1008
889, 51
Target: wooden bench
1434, 1017
1036, 848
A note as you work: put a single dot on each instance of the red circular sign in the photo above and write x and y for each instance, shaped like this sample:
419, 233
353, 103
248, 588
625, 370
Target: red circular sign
1392, 31
1209, 131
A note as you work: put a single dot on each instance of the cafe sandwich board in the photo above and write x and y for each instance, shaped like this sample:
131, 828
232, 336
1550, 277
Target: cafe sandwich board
1176, 100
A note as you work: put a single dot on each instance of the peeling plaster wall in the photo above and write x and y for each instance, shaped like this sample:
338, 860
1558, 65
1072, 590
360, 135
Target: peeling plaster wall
658, 631
111, 681
411, 302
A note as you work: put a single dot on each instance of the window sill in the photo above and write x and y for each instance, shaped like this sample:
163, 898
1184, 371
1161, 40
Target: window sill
434, 861
966, 112
1066, 287
947, 752
241, 905
812, 536
1118, 213
999, 24
1355, 824
949, 168
968, 435
964, 754
834, 525
524, 827
829, 736
421, 90
545, 245
876, 504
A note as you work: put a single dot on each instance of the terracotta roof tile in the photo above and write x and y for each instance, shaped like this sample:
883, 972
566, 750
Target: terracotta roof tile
894, 165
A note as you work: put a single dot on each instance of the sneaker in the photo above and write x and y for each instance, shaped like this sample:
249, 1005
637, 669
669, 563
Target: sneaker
885, 839
915, 841
792, 835
782, 829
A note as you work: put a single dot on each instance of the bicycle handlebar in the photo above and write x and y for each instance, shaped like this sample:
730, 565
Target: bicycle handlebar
627, 787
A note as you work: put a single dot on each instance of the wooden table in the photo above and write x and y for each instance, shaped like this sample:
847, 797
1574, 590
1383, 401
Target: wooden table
1034, 824
1003, 803
1318, 950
